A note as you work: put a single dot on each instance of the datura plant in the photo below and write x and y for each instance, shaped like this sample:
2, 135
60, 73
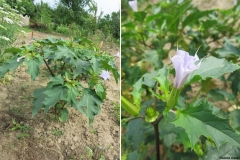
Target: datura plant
76, 70
190, 120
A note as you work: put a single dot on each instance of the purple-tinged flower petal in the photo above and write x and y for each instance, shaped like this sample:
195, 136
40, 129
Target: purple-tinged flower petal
105, 75
184, 64
117, 55
133, 5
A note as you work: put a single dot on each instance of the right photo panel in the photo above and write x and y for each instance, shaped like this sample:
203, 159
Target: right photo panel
180, 79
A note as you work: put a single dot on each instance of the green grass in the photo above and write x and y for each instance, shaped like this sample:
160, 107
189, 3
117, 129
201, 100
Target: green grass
26, 29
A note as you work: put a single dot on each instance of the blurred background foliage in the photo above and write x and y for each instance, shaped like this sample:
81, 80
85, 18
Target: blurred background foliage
75, 17
148, 38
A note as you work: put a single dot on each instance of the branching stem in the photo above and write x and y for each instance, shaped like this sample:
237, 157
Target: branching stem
48, 68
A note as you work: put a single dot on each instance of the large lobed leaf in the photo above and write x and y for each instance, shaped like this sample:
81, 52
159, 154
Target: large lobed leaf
53, 95
89, 104
39, 97
65, 52
199, 121
226, 150
33, 66
211, 67
10, 65
163, 80
137, 92
81, 67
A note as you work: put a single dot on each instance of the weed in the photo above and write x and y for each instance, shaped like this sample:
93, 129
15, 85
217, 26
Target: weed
88, 155
93, 131
17, 111
116, 111
24, 130
6, 79
58, 132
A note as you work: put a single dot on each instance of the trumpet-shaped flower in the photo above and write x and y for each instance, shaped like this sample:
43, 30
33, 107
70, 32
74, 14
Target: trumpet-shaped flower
133, 5
184, 64
105, 75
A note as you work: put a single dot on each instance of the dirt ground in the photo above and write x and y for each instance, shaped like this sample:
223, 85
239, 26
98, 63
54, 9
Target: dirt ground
44, 138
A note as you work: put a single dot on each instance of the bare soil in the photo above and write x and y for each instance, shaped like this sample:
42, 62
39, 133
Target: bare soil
44, 138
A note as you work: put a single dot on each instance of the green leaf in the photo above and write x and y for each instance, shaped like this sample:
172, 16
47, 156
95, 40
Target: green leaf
182, 137
152, 57
95, 64
148, 78
195, 16
10, 65
169, 139
57, 80
33, 67
228, 50
234, 78
134, 156
226, 150
101, 91
137, 92
64, 114
162, 79
13, 50
81, 67
211, 67
39, 97
140, 16
72, 94
53, 95
220, 95
235, 119
64, 51
199, 121
135, 134
91, 102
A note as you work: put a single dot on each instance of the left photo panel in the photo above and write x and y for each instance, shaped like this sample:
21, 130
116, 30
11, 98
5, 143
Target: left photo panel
60, 79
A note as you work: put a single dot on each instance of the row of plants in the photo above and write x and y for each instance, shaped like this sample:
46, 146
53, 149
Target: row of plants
182, 117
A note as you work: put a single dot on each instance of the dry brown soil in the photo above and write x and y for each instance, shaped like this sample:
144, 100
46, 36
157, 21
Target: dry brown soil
48, 139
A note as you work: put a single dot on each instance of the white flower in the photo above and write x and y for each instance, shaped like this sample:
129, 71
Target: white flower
133, 5
8, 20
3, 12
184, 64
117, 55
23, 32
105, 75
14, 10
5, 38
1, 8
18, 60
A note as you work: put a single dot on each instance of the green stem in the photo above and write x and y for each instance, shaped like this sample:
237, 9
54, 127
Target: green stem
129, 107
